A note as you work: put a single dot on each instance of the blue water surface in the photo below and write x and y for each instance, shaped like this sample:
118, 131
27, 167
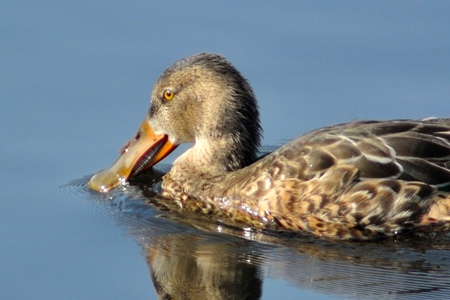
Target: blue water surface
75, 79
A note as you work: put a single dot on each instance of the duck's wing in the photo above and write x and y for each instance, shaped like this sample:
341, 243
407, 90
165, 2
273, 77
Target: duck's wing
355, 180
410, 150
402, 149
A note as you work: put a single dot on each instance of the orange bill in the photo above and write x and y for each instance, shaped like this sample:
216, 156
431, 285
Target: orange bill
139, 154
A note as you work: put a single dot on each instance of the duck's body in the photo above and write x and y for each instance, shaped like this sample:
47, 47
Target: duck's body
358, 180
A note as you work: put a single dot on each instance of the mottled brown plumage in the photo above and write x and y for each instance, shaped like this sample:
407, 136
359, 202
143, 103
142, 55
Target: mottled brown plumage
359, 180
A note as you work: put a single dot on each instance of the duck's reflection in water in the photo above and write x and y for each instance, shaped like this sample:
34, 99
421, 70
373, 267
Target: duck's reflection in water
185, 267
192, 258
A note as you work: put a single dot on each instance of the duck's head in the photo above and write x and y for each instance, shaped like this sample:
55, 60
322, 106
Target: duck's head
201, 99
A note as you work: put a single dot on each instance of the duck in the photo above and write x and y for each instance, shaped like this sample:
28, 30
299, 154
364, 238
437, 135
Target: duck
355, 181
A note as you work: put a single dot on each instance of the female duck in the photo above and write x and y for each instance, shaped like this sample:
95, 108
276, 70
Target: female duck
352, 181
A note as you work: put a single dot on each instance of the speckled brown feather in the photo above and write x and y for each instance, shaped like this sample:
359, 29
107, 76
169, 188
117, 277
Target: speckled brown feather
342, 182
359, 180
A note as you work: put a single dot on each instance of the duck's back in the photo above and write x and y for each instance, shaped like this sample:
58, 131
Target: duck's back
403, 149
355, 180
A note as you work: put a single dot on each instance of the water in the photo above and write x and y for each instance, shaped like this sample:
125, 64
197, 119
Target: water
75, 81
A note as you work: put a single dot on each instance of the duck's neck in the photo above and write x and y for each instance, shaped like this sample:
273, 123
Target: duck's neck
209, 158
215, 156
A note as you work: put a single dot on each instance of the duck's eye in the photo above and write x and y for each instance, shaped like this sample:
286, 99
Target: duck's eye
168, 95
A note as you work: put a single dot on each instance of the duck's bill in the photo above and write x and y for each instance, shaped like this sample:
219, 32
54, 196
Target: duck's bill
139, 154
